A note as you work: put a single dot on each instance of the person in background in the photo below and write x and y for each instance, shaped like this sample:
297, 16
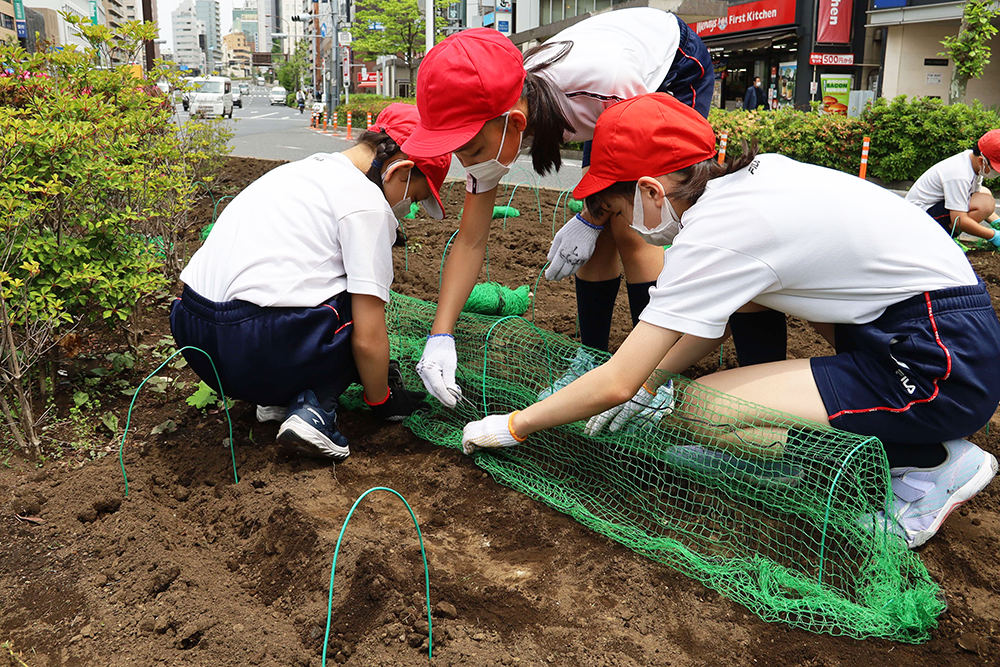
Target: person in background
288, 293
952, 191
754, 97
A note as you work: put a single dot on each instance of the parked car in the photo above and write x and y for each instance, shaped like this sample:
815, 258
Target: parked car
214, 97
278, 95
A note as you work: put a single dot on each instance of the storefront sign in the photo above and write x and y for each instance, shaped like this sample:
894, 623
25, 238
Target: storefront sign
93, 12
831, 58
933, 79
836, 93
751, 16
833, 22
22, 24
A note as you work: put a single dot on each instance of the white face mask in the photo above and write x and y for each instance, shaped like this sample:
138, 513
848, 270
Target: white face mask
487, 174
986, 171
663, 233
402, 207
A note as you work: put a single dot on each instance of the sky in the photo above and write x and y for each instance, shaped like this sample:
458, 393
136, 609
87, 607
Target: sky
164, 8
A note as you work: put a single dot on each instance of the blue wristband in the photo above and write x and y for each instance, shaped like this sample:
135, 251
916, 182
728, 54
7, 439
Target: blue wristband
580, 218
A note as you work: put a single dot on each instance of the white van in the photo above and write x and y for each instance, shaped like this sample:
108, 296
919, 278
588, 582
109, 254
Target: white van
214, 97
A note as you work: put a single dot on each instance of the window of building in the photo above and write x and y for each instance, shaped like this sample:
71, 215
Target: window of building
8, 21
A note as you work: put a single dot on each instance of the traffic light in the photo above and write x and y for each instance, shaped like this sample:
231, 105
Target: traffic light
301, 17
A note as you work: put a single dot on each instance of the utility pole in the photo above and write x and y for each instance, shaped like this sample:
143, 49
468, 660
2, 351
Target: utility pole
147, 17
428, 27
333, 98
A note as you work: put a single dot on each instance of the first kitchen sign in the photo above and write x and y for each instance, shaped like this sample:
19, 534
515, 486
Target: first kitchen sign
750, 16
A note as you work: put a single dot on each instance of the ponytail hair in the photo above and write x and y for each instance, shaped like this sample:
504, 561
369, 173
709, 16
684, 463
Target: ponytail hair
691, 181
547, 124
385, 147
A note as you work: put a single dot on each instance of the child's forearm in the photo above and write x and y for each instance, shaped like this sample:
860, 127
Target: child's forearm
370, 345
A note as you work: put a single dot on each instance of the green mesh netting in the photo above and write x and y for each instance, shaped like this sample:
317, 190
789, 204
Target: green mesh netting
495, 299
774, 512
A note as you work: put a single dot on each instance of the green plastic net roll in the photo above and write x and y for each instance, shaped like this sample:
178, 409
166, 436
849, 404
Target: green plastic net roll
778, 514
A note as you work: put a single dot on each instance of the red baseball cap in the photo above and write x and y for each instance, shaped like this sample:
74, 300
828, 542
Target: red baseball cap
468, 79
649, 135
989, 145
398, 120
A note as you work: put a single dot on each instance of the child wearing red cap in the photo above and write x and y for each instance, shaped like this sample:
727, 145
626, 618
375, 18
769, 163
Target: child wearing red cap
478, 99
917, 340
952, 191
287, 295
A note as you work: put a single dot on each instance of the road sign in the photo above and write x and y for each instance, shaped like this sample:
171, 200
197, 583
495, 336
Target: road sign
344, 38
322, 30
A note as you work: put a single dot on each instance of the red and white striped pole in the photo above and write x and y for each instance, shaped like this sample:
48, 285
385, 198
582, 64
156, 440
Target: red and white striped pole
723, 138
334, 121
349, 125
368, 120
864, 157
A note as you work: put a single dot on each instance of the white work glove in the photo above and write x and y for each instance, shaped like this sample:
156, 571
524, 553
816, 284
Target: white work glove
643, 408
437, 368
493, 431
571, 247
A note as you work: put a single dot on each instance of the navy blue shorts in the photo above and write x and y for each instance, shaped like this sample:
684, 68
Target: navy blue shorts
691, 78
268, 355
927, 370
942, 216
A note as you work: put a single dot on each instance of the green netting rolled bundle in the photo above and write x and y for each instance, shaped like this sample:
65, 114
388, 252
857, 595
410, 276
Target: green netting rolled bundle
778, 514
495, 299
575, 205
498, 212
206, 230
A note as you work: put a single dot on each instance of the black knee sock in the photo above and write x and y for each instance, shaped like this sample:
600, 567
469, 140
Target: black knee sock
759, 337
901, 455
595, 304
638, 298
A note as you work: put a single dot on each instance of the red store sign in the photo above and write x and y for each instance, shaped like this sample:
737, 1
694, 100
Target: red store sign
831, 58
833, 21
751, 16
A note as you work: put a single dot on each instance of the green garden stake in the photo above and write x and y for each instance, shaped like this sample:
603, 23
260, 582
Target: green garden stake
215, 210
423, 554
128, 418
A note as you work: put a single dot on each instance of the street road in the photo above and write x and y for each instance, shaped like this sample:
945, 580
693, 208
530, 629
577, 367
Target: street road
280, 133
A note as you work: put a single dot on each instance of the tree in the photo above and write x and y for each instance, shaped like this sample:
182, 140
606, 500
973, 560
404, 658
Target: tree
290, 73
970, 49
391, 27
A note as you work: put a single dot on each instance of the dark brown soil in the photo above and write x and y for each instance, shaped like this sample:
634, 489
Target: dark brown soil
192, 569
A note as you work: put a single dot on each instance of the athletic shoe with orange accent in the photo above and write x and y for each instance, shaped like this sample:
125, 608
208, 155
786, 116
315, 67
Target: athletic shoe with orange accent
924, 497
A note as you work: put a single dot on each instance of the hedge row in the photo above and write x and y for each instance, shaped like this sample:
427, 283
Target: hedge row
908, 136
365, 103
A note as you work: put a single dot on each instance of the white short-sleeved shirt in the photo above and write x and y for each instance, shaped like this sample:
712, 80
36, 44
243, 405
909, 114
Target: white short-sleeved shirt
298, 236
804, 240
615, 56
952, 180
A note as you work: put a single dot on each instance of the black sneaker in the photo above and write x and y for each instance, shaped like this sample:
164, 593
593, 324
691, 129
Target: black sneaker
309, 429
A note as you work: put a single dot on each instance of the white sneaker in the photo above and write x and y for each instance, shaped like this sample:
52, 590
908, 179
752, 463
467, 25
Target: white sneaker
924, 497
271, 413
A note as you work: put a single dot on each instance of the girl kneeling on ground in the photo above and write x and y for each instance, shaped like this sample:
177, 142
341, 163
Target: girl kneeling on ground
288, 293
917, 339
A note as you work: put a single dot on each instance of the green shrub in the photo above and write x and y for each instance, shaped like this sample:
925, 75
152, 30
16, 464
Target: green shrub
910, 135
365, 103
95, 182
829, 141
